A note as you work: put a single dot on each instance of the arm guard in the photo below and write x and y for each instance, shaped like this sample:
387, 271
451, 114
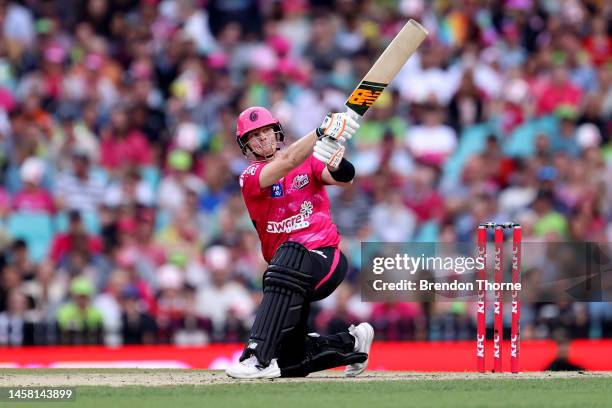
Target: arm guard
344, 173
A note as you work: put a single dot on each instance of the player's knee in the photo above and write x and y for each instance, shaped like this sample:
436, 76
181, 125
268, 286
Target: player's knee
290, 268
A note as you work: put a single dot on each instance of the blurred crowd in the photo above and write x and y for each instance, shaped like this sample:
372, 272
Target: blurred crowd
121, 217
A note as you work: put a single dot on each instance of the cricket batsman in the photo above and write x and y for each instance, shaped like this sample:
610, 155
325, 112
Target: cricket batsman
284, 191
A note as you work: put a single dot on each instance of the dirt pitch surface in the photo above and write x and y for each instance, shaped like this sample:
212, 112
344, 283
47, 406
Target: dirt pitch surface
165, 377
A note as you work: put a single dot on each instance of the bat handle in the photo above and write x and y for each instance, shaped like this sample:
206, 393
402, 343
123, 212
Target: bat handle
357, 117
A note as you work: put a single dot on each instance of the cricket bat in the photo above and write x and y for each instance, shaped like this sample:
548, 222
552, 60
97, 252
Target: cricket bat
386, 67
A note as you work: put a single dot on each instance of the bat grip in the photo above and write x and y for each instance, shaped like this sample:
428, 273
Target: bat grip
357, 117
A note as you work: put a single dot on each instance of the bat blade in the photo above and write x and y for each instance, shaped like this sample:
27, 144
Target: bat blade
386, 67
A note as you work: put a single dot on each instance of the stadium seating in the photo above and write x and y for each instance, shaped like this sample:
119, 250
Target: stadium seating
35, 229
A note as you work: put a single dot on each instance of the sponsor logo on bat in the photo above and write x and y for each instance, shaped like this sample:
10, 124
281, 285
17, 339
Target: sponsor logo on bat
364, 96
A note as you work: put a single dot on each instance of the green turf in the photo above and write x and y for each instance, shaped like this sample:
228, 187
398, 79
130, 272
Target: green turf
582, 393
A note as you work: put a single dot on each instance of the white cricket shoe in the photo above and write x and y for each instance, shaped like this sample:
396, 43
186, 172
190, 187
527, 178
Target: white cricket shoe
364, 335
250, 368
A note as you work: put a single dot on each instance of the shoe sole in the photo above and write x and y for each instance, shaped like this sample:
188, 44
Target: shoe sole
361, 367
268, 373
254, 376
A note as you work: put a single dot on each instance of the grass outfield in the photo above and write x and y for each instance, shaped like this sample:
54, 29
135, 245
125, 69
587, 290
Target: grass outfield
211, 389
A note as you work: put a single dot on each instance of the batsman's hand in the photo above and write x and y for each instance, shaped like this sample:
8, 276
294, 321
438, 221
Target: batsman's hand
339, 126
329, 151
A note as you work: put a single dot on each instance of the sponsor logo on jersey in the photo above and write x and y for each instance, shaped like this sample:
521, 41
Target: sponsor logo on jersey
249, 171
300, 181
276, 191
306, 208
293, 223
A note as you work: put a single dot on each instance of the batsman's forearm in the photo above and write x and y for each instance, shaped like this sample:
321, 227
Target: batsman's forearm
288, 159
299, 150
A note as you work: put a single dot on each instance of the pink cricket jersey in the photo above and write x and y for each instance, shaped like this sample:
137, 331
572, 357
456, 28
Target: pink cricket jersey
296, 208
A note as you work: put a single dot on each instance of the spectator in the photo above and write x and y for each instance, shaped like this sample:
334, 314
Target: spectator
174, 187
137, 326
64, 243
466, 107
566, 140
395, 321
16, 324
340, 315
391, 221
109, 304
79, 322
218, 185
170, 302
139, 276
130, 190
549, 219
18, 25
144, 241
350, 210
599, 44
47, 292
194, 330
559, 90
122, 146
80, 260
21, 260
33, 197
181, 236
449, 321
520, 192
78, 189
85, 129
11, 280
215, 301
421, 195
432, 141
322, 50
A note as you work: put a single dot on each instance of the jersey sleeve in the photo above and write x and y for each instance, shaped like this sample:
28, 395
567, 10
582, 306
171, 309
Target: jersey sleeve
249, 180
317, 168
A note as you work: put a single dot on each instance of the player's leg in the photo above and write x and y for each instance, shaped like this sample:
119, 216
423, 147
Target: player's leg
291, 350
362, 334
296, 345
287, 287
321, 352
281, 322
